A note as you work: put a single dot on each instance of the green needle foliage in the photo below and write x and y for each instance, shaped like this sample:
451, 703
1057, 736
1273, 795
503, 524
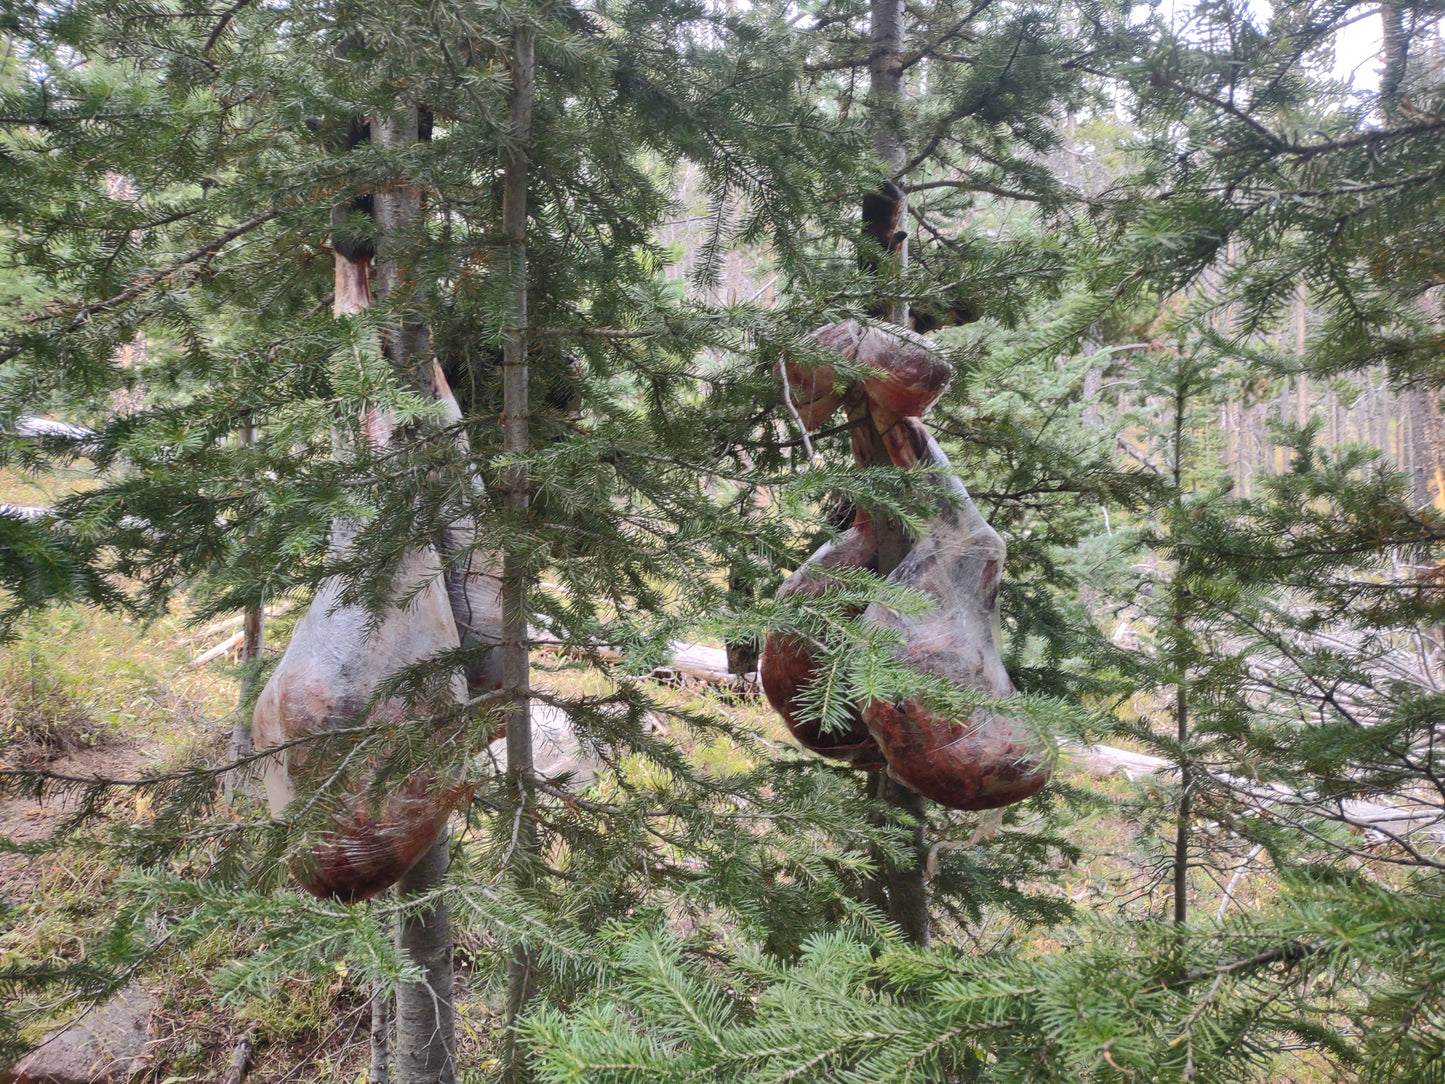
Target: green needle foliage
170, 178
170, 172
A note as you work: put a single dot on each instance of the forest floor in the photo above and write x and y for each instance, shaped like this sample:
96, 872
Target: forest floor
31, 820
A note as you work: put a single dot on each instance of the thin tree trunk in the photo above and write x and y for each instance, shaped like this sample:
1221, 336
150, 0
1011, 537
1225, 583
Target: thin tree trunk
398, 210
906, 885
253, 642
425, 1027
1181, 688
903, 888
1181, 827
379, 1067
516, 440
425, 1018
1301, 329
1427, 445
1395, 44
888, 93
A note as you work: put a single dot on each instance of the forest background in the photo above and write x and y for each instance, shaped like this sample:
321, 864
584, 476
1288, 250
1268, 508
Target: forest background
1193, 270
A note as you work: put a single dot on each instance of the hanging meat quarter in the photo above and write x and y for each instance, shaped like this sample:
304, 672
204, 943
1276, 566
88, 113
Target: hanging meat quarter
983, 759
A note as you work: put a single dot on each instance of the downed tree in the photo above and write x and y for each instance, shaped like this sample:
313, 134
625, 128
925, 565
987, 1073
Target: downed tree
27, 512
34, 428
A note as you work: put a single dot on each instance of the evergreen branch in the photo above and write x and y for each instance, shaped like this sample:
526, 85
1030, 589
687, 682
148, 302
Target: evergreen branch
1292, 952
969, 185
144, 282
1224, 106
229, 14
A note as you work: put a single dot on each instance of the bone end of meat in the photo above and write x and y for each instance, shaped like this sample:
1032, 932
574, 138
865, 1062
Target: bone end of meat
910, 377
353, 286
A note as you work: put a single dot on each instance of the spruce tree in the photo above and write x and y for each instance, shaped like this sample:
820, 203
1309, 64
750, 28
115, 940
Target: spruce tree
220, 262
730, 909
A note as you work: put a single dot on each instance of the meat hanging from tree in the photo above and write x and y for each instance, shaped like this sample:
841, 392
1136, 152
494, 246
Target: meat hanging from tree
984, 759
326, 680
340, 652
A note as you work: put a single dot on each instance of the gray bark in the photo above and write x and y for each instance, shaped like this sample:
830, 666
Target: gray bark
425, 1019
888, 93
516, 439
906, 886
1395, 44
379, 1067
1184, 814
398, 210
425, 1025
253, 633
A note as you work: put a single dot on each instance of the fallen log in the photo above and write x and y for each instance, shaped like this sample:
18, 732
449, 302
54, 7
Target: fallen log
225, 647
692, 660
557, 752
27, 425
1394, 821
23, 511
222, 625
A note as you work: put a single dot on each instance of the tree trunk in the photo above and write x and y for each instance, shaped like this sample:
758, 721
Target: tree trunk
253, 642
516, 440
1427, 430
906, 886
398, 210
425, 1022
379, 1066
1181, 827
1179, 632
888, 93
903, 889
425, 1028
379, 1044
1395, 45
